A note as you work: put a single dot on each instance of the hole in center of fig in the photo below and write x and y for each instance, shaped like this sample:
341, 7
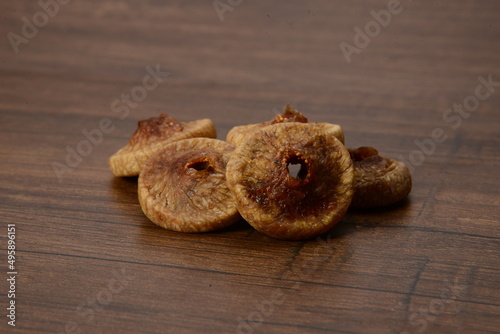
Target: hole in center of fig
199, 165
297, 168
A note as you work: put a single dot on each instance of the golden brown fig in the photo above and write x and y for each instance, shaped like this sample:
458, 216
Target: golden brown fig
286, 205
239, 134
151, 135
183, 186
378, 181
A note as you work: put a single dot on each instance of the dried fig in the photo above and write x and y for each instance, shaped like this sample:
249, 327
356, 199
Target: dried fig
239, 134
183, 187
283, 205
151, 135
378, 181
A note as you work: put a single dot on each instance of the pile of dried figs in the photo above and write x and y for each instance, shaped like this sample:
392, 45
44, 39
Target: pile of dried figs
288, 178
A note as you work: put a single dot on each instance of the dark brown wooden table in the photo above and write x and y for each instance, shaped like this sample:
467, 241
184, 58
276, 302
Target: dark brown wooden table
421, 84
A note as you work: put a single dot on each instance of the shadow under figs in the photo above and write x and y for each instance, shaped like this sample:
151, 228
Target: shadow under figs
123, 191
393, 215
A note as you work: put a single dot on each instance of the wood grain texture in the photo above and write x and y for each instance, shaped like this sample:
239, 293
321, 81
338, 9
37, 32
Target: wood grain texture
430, 264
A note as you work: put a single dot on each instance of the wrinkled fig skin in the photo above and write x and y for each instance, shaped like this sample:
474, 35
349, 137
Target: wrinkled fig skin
151, 135
153, 130
183, 187
378, 181
239, 134
279, 204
